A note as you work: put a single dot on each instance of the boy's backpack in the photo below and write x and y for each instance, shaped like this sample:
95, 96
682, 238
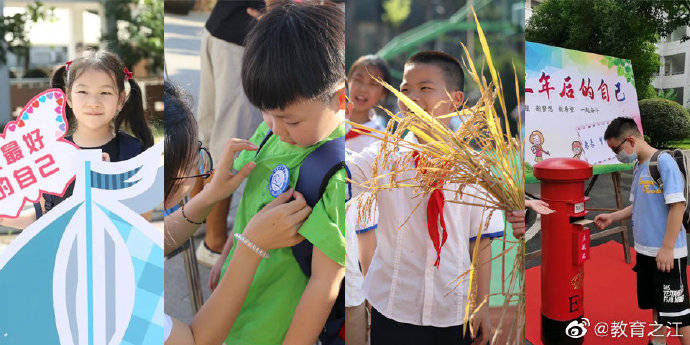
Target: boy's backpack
314, 173
682, 158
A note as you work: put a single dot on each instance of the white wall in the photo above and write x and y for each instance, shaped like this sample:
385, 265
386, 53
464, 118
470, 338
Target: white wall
665, 48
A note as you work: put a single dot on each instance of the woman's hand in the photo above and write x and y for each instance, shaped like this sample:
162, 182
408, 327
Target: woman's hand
539, 206
276, 225
223, 181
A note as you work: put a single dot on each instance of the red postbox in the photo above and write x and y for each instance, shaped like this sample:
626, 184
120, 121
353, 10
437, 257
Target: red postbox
564, 247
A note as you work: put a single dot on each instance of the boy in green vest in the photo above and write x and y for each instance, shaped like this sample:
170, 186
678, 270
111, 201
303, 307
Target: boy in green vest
294, 71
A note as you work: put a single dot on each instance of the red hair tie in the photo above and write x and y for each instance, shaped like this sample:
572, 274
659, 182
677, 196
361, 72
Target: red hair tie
67, 65
128, 74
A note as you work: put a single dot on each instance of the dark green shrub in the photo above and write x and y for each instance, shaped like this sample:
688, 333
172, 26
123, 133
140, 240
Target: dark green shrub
664, 120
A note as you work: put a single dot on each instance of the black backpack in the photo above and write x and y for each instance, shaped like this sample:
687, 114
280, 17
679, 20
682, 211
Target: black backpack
682, 158
314, 173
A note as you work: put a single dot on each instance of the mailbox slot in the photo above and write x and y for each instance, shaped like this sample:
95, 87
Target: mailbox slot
574, 220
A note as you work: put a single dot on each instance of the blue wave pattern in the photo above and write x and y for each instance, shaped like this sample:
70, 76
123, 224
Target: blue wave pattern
27, 303
146, 324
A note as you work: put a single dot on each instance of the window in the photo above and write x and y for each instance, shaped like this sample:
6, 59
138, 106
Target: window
674, 64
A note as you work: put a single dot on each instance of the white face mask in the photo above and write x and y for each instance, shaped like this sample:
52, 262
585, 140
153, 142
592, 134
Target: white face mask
623, 157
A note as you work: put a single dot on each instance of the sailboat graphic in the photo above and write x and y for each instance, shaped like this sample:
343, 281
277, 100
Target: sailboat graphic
90, 271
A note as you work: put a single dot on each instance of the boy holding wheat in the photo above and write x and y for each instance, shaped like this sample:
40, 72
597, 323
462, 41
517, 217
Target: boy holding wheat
408, 280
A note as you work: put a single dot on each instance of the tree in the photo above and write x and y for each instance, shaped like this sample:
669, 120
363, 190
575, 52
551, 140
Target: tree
142, 36
626, 29
669, 94
666, 15
15, 31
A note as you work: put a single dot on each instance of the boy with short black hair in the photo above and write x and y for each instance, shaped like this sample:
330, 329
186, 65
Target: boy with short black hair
660, 240
449, 65
294, 71
407, 281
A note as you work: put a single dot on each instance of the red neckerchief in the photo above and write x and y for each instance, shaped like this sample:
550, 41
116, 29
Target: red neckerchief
353, 134
434, 213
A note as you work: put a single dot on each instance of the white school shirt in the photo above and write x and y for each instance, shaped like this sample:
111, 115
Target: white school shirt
362, 141
353, 275
402, 282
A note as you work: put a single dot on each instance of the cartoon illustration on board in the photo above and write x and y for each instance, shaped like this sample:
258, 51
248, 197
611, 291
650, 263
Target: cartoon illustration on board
577, 150
537, 140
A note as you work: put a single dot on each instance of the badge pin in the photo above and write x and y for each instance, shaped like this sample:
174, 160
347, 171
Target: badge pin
279, 181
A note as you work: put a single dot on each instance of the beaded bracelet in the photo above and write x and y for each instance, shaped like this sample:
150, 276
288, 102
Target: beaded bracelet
189, 220
251, 245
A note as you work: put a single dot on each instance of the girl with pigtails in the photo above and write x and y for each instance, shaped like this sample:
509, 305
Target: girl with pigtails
99, 107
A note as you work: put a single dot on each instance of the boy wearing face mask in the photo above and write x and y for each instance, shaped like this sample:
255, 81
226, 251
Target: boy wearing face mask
660, 239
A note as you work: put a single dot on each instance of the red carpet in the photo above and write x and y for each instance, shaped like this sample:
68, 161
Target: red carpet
610, 295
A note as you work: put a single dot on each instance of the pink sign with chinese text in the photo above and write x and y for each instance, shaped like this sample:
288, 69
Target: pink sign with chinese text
570, 97
34, 156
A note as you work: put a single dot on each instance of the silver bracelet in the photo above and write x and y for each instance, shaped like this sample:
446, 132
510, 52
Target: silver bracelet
251, 245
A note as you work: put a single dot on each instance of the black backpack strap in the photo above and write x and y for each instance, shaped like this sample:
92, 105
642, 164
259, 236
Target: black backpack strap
679, 158
654, 168
676, 155
314, 173
318, 168
263, 142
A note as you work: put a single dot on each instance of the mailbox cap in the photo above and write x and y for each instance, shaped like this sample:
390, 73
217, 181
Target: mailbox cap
562, 169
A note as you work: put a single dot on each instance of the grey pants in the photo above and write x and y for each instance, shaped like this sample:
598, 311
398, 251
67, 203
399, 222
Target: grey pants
224, 110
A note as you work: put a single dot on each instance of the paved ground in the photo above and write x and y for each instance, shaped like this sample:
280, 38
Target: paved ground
182, 44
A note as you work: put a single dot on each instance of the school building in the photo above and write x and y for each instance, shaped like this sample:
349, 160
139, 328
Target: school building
674, 73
